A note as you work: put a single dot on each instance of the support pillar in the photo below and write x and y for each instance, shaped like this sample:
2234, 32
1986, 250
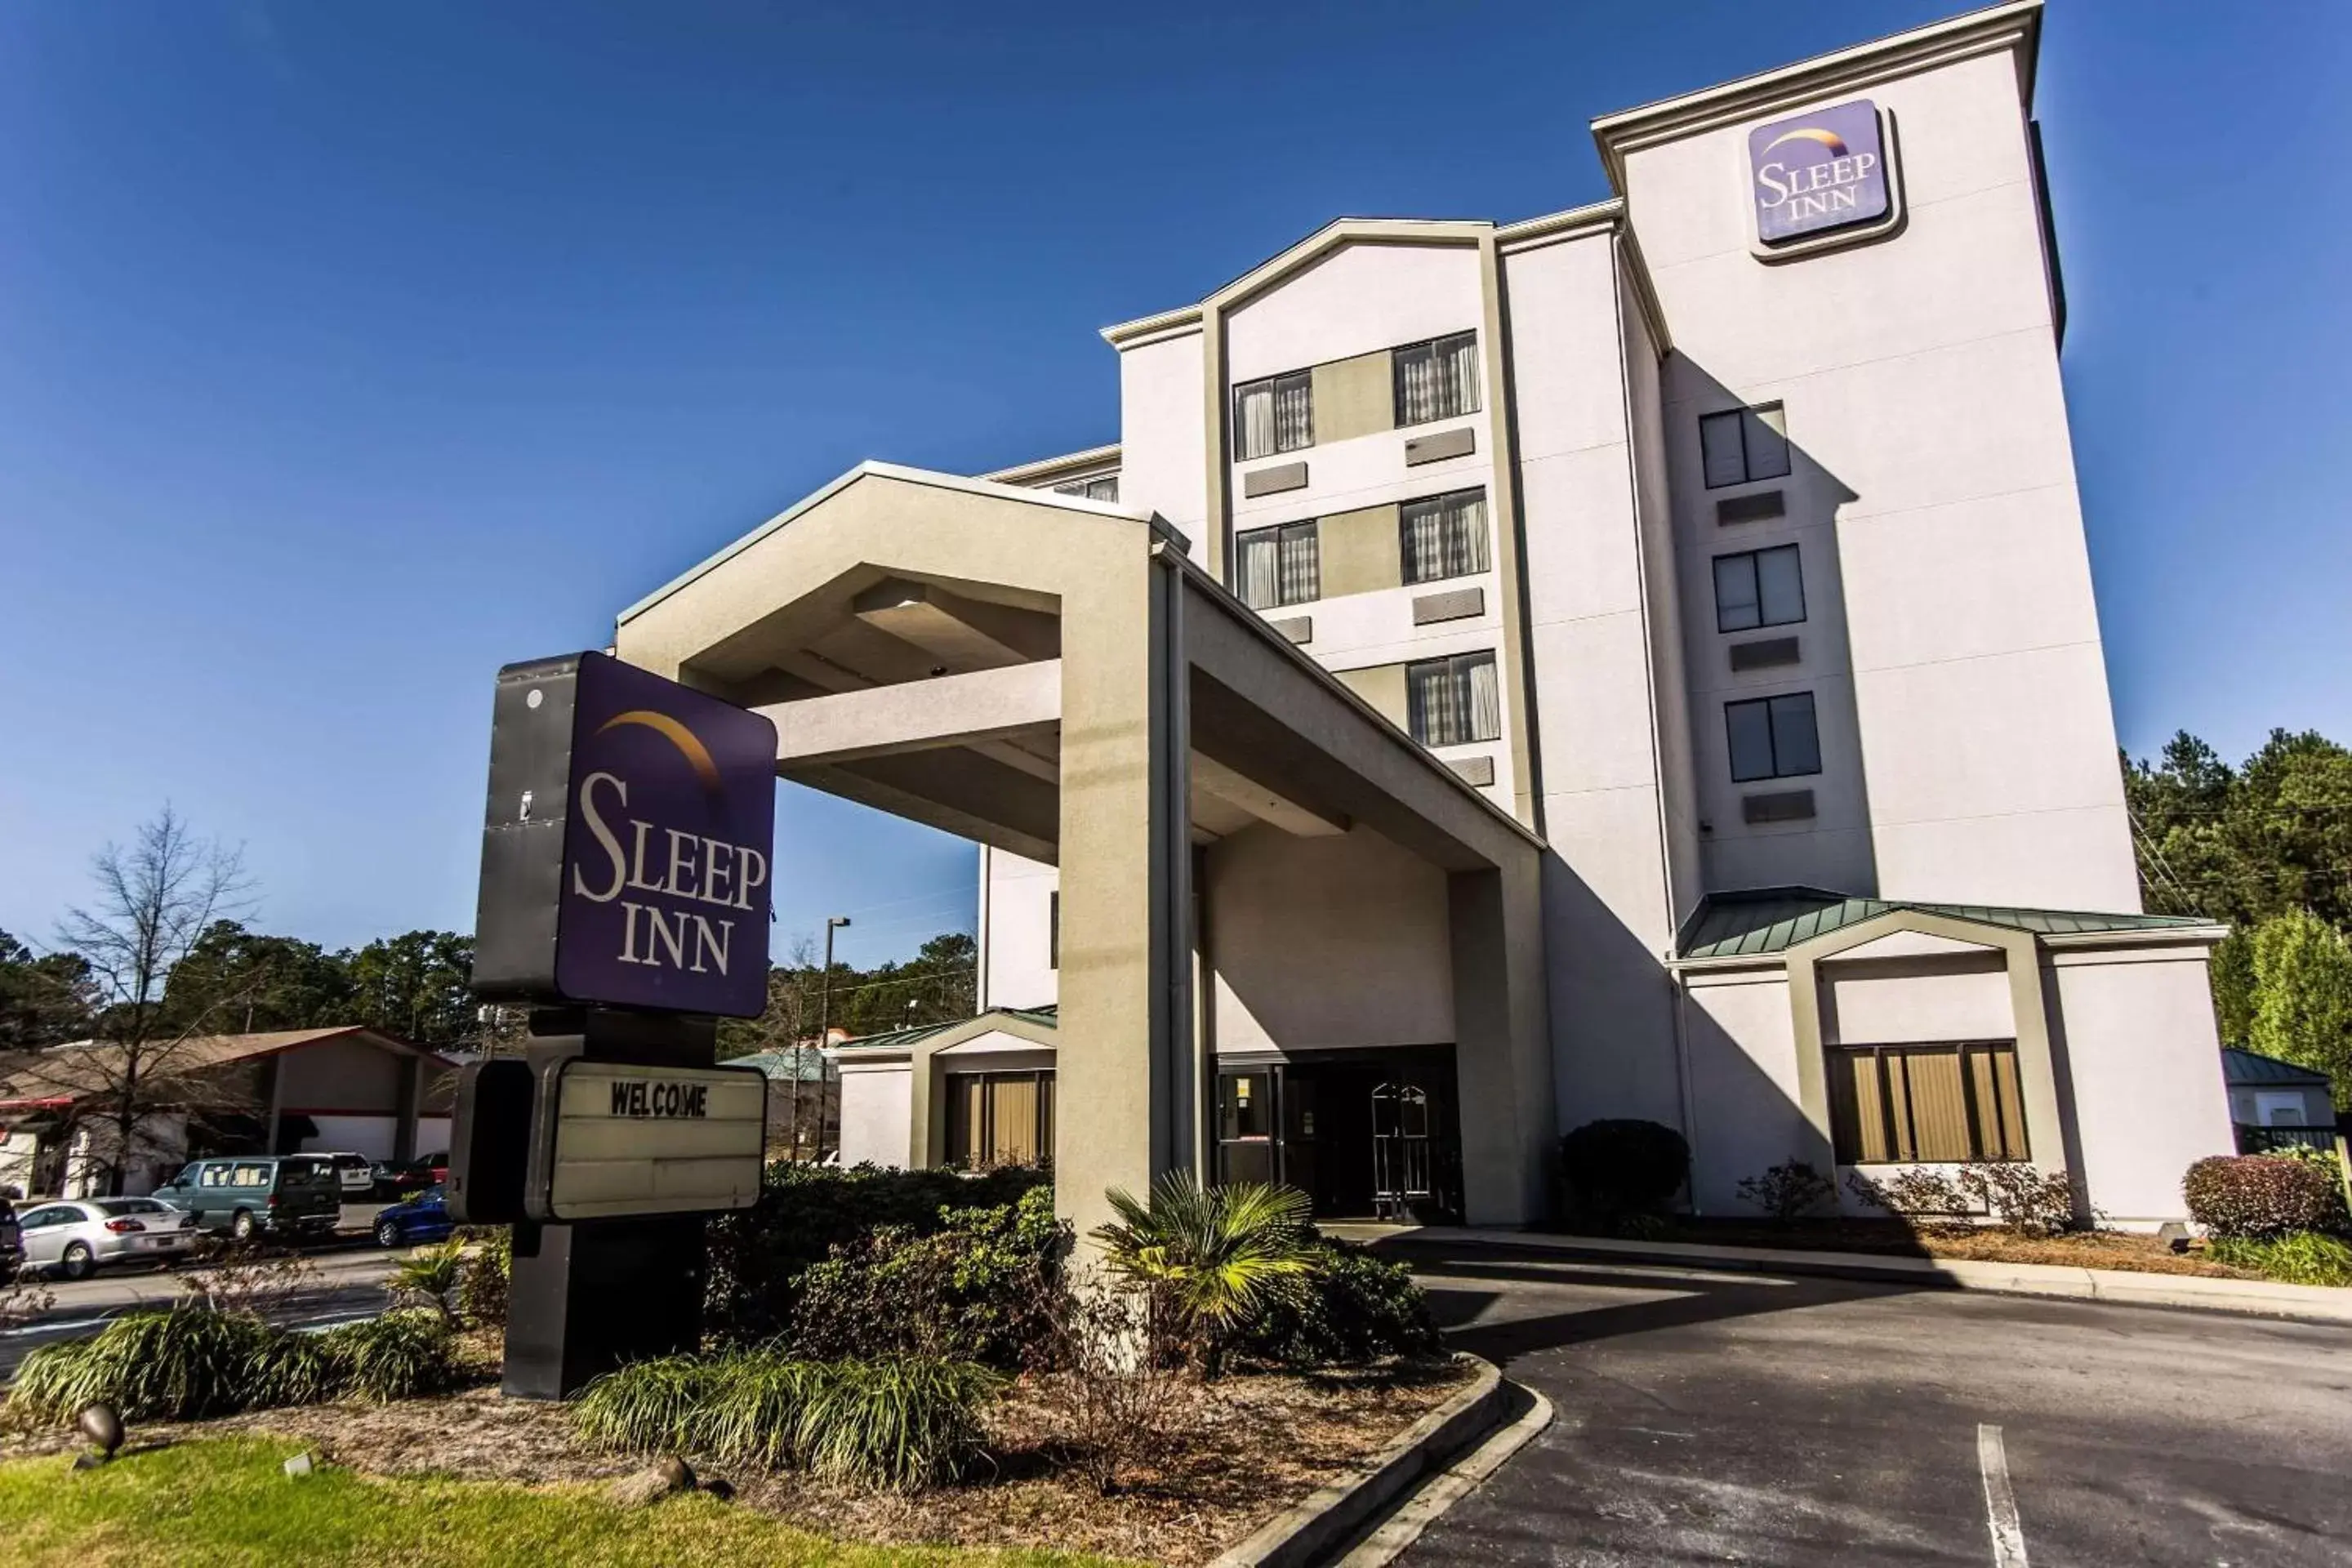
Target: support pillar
1501, 1052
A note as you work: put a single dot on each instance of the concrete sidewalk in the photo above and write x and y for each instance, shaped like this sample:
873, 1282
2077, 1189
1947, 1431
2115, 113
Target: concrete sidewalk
2261, 1297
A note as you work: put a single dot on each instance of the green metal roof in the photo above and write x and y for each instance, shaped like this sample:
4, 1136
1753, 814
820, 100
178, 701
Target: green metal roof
1766, 920
900, 1039
2245, 1067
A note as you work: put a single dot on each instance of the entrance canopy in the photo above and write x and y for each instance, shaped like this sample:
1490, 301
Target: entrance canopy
1055, 676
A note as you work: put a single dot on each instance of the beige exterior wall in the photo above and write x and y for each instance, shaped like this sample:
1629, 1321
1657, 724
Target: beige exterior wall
1359, 551
1354, 398
1325, 943
1951, 640
876, 1107
1380, 685
1746, 1115
1016, 930
2135, 1028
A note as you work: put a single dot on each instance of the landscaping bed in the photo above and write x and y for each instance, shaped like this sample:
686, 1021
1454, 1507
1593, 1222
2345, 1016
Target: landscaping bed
883, 1364
1241, 1449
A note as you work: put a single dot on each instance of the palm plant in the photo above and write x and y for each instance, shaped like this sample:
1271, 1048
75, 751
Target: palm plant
1210, 1257
432, 1275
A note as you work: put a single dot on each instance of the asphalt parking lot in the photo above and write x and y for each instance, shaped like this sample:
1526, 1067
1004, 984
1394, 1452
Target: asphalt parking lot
1713, 1418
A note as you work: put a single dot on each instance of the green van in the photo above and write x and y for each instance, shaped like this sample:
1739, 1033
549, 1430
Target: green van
246, 1195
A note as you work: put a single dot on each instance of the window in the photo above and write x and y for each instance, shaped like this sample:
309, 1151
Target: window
1000, 1119
214, 1176
1054, 929
1275, 414
1444, 536
1103, 488
1743, 444
1436, 380
1758, 588
56, 1213
1773, 737
1280, 566
1897, 1103
1453, 702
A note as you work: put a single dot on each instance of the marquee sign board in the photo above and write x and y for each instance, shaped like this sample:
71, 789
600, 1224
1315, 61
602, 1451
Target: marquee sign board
625, 846
630, 1137
1818, 173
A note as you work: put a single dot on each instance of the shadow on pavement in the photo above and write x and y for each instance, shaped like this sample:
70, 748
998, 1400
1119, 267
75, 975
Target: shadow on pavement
1699, 1298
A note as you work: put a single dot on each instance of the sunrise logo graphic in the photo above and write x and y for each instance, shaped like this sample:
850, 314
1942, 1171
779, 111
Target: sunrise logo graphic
1826, 138
689, 745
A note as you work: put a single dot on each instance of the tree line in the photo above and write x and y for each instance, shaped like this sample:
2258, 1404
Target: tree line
2266, 846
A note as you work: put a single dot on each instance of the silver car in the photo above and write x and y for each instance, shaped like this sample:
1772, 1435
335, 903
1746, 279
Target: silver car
74, 1238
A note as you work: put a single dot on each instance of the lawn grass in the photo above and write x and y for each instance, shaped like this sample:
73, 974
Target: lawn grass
225, 1503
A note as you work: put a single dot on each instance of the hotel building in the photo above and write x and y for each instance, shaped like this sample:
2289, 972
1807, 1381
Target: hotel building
1633, 661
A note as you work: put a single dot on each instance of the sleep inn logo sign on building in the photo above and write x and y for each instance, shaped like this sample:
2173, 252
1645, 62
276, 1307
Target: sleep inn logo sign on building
1818, 172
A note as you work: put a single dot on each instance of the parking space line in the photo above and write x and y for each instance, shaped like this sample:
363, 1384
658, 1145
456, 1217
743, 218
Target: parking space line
2000, 1502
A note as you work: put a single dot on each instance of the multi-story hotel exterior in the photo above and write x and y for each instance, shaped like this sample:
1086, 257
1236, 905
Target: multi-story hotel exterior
1722, 539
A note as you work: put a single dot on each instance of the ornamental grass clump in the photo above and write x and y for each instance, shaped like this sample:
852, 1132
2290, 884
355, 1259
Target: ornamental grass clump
896, 1424
400, 1355
191, 1362
2298, 1257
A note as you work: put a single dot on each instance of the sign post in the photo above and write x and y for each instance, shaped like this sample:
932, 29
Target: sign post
624, 900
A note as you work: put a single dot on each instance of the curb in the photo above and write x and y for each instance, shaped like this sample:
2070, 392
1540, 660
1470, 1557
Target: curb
1328, 1517
1387, 1539
2258, 1298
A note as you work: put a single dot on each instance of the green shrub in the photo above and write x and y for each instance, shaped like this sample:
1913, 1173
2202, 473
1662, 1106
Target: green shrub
2262, 1196
900, 1422
400, 1355
1351, 1307
191, 1362
1622, 1166
979, 1288
759, 1255
2297, 1258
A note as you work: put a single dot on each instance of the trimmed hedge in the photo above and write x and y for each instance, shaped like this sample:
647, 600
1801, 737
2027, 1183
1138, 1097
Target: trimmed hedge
2263, 1194
759, 1255
1623, 1167
979, 1288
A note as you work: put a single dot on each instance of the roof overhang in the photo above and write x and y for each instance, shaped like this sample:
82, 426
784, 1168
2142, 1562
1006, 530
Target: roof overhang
2016, 27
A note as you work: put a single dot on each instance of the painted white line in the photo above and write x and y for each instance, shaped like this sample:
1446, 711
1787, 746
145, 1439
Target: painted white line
2000, 1502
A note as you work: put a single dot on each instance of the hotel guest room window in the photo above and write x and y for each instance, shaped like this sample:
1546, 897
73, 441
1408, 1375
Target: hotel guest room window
1742, 444
1277, 414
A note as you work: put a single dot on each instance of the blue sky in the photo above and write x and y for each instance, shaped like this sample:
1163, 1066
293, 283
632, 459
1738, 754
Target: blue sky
350, 350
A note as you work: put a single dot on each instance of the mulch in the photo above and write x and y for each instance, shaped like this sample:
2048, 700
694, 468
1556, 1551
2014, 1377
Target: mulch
2131, 1250
1238, 1450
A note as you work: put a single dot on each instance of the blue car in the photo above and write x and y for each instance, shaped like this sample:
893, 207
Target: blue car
424, 1217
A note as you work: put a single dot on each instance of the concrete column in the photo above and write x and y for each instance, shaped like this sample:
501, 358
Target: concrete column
1126, 1081
1502, 1060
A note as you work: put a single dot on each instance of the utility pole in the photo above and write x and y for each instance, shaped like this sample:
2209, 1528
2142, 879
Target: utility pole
823, 1034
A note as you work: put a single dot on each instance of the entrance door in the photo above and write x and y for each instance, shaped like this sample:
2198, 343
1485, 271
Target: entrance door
1245, 1125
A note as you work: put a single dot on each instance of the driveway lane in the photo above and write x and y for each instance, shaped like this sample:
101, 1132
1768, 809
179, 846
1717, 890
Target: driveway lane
1738, 1418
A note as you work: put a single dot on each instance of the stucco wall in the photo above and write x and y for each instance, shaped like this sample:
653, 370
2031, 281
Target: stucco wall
876, 1114
2136, 1033
1323, 942
1745, 1108
1911, 1001
1952, 639
1162, 434
1017, 946
1356, 299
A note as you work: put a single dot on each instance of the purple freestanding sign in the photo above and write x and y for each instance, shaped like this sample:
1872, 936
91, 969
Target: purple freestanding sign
625, 855
1818, 172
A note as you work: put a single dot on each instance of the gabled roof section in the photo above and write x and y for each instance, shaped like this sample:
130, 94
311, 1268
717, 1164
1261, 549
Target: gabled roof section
893, 1040
1763, 922
2016, 27
871, 469
62, 1073
2239, 1069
